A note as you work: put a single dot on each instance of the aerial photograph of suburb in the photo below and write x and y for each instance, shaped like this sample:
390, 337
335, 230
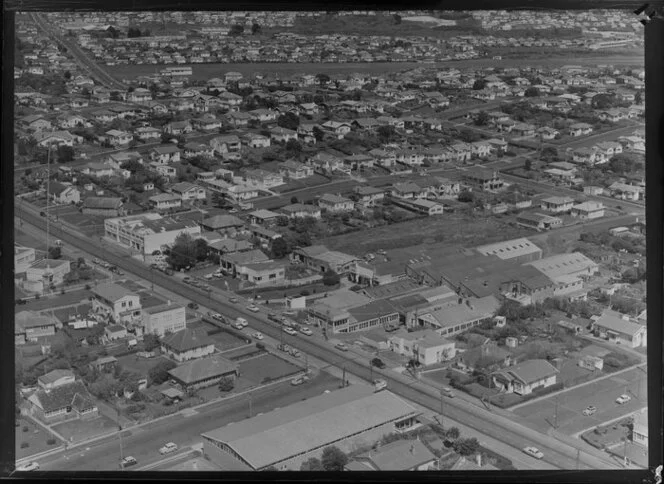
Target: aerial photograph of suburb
330, 241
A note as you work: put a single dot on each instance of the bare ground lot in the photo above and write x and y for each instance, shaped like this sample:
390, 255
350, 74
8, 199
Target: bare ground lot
258, 369
78, 430
139, 365
454, 229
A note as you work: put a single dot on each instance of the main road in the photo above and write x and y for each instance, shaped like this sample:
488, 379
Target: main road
559, 454
79, 56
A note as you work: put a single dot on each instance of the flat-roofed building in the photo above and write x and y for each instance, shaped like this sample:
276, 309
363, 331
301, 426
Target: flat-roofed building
346, 418
538, 221
48, 271
164, 318
426, 347
23, 257
516, 250
320, 258
563, 265
557, 204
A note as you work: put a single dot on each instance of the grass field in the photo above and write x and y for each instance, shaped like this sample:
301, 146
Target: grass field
35, 437
77, 430
139, 365
266, 366
454, 229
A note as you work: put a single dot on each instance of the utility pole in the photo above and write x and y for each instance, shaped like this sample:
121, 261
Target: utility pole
555, 416
578, 458
250, 406
120, 434
371, 368
442, 405
343, 378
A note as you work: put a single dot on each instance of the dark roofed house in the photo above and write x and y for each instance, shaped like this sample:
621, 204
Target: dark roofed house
106, 206
484, 357
187, 344
222, 222
402, 455
204, 372
525, 377
63, 402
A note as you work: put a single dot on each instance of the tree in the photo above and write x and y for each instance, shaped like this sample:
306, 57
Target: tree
319, 134
133, 32
289, 121
183, 253
603, 101
452, 433
386, 133
638, 97
201, 249
532, 91
479, 84
482, 119
65, 153
54, 252
67, 75
322, 79
333, 459
226, 384
158, 374
397, 19
236, 30
255, 29
528, 165
279, 248
466, 446
621, 164
312, 464
331, 278
150, 342
293, 147
294, 199
466, 196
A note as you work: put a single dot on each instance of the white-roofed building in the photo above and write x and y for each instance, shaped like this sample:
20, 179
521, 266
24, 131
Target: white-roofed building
618, 328
287, 437
517, 250
588, 210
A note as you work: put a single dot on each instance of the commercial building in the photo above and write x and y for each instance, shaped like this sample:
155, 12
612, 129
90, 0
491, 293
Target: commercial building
164, 318
287, 437
588, 210
538, 221
147, 232
426, 347
321, 259
515, 250
23, 257
47, 272
455, 318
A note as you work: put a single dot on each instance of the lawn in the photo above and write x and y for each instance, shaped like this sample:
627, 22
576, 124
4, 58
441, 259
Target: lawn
35, 436
58, 300
257, 370
454, 229
224, 340
77, 430
137, 364
311, 181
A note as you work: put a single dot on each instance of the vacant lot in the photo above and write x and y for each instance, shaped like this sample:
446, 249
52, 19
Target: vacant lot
137, 364
455, 229
258, 369
59, 300
78, 430
35, 436
224, 340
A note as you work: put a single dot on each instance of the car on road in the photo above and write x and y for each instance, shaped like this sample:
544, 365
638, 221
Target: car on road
306, 331
257, 335
236, 325
253, 308
128, 461
242, 322
218, 317
447, 391
275, 318
294, 353
533, 452
623, 399
96, 261
379, 385
208, 276
285, 348
192, 305
232, 299
590, 410
42, 214
30, 466
290, 331
168, 448
378, 363
299, 380
341, 346
186, 279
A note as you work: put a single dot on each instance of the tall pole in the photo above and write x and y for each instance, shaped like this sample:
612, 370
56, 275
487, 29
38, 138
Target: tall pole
555, 416
371, 368
120, 434
442, 404
578, 458
343, 382
250, 406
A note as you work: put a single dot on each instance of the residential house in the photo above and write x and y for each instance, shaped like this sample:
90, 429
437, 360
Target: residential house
207, 122
165, 201
282, 135
188, 191
193, 149
228, 146
300, 210
580, 129
263, 179
588, 210
165, 154
487, 357
105, 206
625, 192
335, 203
484, 179
253, 140
263, 217
401, 455
187, 344
263, 115
262, 273
369, 196
408, 190
359, 161
204, 372
426, 347
177, 128
238, 119
538, 221
620, 329
525, 377
115, 301
557, 204
65, 401
338, 128
114, 332
295, 170
64, 194
147, 133
30, 326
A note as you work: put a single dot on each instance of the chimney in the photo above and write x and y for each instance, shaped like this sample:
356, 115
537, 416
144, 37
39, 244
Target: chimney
478, 460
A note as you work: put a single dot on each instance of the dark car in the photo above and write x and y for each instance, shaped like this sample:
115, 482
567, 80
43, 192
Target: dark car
42, 214
21, 301
378, 363
192, 305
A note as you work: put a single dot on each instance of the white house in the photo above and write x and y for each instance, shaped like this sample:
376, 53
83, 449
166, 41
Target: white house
588, 210
525, 377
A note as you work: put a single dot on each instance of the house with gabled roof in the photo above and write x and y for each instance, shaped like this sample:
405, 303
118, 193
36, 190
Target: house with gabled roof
188, 191
187, 344
295, 170
165, 154
620, 329
335, 203
66, 401
525, 377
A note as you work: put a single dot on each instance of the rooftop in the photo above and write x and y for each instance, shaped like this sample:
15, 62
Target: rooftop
203, 368
187, 339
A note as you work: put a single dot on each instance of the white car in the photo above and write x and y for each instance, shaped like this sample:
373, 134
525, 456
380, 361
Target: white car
168, 448
218, 317
30, 466
379, 384
237, 325
257, 335
534, 452
208, 276
253, 308
623, 399
306, 331
290, 331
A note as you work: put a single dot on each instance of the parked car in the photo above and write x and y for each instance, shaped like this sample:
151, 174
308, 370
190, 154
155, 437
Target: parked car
379, 385
257, 335
447, 391
21, 301
275, 318
192, 305
623, 399
128, 461
218, 317
290, 331
30, 466
285, 348
534, 452
590, 410
341, 346
96, 261
294, 352
253, 308
186, 279
208, 276
299, 380
232, 299
42, 214
242, 322
236, 325
168, 448
306, 331
378, 363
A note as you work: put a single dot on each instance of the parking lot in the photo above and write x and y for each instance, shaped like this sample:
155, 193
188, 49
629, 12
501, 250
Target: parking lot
600, 393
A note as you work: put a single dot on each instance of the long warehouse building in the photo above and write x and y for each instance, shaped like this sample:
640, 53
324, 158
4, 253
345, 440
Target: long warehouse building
287, 437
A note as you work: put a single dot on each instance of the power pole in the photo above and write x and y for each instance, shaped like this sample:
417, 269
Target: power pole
250, 406
555, 416
442, 405
343, 378
578, 458
371, 368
